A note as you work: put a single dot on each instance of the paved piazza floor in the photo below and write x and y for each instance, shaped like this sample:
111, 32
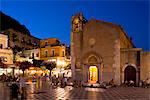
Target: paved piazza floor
40, 91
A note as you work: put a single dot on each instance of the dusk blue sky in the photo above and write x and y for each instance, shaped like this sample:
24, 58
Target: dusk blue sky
47, 18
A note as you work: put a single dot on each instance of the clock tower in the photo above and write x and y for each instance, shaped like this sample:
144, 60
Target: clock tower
77, 24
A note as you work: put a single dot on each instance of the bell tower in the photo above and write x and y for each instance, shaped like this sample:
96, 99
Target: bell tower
77, 24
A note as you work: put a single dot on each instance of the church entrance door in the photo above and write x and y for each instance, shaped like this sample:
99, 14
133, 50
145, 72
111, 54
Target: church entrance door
93, 74
130, 73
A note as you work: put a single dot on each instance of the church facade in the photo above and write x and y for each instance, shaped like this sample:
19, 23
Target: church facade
102, 51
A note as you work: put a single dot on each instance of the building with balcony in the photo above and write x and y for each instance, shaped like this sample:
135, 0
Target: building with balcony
28, 55
52, 50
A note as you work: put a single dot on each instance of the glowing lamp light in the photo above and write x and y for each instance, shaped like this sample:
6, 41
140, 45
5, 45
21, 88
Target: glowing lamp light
60, 63
9, 70
31, 68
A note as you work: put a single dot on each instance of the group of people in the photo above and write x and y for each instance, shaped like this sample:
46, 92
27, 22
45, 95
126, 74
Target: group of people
8, 78
129, 83
145, 83
77, 83
17, 85
62, 81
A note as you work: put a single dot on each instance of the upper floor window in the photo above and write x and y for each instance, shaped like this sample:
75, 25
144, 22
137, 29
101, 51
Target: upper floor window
23, 40
46, 43
15, 38
1, 46
34, 43
46, 53
63, 53
138, 58
53, 53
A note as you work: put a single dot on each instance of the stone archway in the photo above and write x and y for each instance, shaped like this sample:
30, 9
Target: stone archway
130, 74
92, 68
132, 69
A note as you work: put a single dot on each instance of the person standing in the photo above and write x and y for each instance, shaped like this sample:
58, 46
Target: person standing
22, 82
65, 81
14, 91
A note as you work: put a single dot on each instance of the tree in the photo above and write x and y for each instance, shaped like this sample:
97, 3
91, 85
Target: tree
24, 65
50, 66
16, 49
37, 63
68, 67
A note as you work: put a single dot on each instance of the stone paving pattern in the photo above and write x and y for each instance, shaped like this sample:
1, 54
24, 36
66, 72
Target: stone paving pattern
47, 92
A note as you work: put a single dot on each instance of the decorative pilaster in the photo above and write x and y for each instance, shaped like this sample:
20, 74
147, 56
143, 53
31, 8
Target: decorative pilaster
99, 73
85, 76
116, 65
72, 58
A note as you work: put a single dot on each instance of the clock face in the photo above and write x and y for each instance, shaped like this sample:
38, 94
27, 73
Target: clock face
92, 41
